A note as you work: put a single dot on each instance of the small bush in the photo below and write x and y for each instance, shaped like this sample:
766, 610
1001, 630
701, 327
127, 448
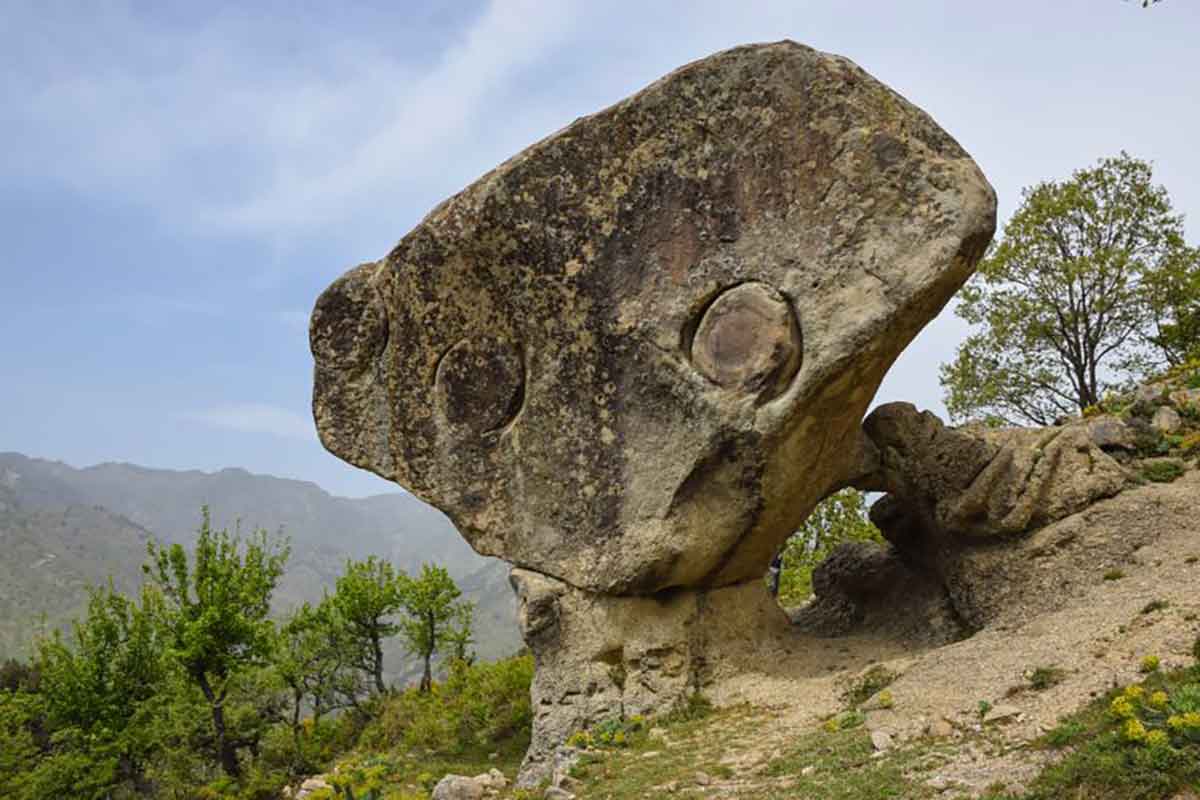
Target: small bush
1044, 678
1149, 664
844, 721
477, 705
1155, 605
873, 680
1114, 574
16, 675
695, 707
1163, 471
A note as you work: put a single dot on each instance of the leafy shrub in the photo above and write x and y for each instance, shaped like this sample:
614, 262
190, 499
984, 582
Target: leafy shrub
477, 705
1155, 605
1163, 471
695, 707
873, 680
1043, 678
844, 721
17, 675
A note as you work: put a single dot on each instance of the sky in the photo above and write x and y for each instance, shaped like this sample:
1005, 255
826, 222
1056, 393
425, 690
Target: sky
179, 181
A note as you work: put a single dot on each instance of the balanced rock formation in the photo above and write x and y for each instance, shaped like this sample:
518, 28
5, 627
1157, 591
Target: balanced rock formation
632, 358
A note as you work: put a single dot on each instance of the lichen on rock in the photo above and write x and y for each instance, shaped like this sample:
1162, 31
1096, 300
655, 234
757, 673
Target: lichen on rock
631, 359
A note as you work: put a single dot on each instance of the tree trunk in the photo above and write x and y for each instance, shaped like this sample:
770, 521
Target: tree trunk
379, 687
297, 699
427, 677
226, 752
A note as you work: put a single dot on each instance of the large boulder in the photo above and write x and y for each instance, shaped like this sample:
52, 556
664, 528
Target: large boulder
634, 356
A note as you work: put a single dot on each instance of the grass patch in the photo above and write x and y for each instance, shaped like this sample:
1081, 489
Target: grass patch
1155, 605
842, 766
696, 740
1114, 574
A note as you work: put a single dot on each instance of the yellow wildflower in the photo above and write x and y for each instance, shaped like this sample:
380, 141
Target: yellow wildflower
1157, 739
1158, 700
1134, 692
1175, 722
1121, 708
1150, 664
1134, 730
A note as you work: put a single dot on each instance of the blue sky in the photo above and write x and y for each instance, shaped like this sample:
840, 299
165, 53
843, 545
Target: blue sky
178, 181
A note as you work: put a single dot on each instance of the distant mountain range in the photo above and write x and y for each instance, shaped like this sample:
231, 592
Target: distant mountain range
63, 529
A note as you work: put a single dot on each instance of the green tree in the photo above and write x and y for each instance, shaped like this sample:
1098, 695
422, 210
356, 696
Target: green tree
97, 691
315, 661
216, 614
1175, 298
22, 715
434, 617
1075, 298
841, 517
365, 598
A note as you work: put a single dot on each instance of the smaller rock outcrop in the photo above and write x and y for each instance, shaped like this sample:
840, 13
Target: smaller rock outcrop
989, 525
462, 787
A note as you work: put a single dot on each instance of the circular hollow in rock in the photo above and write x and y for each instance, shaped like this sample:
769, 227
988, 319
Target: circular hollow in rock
480, 384
748, 340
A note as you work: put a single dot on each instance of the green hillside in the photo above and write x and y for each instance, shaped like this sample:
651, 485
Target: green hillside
63, 529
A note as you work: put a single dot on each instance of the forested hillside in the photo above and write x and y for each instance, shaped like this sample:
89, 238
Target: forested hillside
63, 529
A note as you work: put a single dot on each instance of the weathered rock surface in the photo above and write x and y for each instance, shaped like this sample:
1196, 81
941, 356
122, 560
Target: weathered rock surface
631, 359
600, 656
959, 504
458, 787
981, 483
634, 356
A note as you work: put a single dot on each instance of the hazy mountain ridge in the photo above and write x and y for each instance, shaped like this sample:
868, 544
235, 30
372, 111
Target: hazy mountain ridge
94, 522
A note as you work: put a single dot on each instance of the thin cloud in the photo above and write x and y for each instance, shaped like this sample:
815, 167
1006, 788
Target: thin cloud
255, 418
215, 130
